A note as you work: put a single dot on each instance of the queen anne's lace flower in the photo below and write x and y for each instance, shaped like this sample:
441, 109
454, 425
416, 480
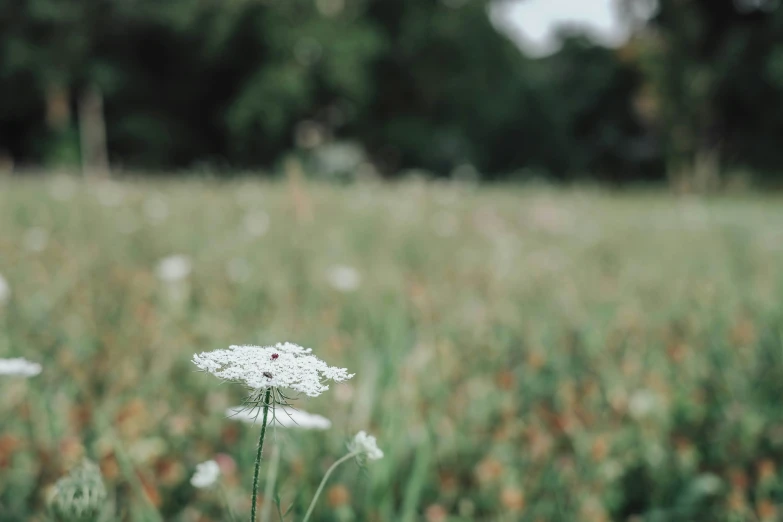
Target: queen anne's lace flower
285, 365
283, 417
20, 367
174, 268
365, 444
206, 474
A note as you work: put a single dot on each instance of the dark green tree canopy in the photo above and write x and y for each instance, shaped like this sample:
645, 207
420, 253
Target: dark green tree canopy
415, 83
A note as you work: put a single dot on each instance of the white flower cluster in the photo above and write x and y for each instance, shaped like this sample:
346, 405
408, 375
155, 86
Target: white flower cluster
344, 278
365, 444
20, 367
174, 268
283, 417
206, 474
285, 365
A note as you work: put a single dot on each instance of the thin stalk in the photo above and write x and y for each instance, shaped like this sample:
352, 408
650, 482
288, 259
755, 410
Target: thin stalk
271, 478
226, 501
323, 483
258, 455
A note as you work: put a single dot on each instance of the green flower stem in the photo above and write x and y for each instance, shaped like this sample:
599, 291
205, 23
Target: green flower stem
323, 482
271, 477
258, 455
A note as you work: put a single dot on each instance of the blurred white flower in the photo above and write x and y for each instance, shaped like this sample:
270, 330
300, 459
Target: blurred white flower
173, 268
5, 290
642, 403
20, 367
344, 278
36, 239
707, 484
257, 223
238, 270
284, 417
285, 365
365, 444
206, 474
156, 209
338, 159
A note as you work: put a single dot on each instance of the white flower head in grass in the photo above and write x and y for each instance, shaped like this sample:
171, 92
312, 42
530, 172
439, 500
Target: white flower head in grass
173, 268
256, 223
262, 368
5, 290
284, 417
364, 444
344, 278
206, 474
19, 367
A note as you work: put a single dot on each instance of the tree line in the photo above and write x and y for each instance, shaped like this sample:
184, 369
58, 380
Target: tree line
426, 84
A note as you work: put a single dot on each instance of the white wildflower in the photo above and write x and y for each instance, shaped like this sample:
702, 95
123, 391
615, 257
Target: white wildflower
344, 278
36, 239
206, 474
5, 290
285, 365
365, 444
173, 268
19, 367
642, 404
283, 417
707, 484
256, 223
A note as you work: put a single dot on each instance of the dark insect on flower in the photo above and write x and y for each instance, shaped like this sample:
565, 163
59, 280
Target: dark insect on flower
275, 356
267, 375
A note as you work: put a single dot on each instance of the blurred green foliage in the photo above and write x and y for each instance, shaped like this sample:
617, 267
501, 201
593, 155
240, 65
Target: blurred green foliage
427, 84
520, 355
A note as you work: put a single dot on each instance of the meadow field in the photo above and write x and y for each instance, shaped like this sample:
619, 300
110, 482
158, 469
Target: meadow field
521, 353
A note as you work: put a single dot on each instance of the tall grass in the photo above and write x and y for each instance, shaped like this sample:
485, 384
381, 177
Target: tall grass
521, 354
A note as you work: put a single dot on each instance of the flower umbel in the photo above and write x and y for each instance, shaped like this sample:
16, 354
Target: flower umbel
206, 474
365, 444
285, 365
268, 370
19, 367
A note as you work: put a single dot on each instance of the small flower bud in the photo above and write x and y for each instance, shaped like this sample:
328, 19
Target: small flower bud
79, 496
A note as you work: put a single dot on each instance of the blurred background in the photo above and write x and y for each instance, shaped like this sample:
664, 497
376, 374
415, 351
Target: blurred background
684, 92
543, 233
